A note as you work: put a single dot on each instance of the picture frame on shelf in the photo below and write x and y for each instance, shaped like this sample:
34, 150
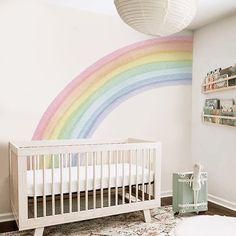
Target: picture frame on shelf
212, 103
220, 82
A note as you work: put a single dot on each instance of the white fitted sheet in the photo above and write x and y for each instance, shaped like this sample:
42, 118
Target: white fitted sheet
90, 179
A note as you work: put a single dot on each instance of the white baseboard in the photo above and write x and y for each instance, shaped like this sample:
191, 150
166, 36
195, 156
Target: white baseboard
6, 217
222, 202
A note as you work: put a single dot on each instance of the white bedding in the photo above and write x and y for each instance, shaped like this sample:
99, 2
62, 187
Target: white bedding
90, 178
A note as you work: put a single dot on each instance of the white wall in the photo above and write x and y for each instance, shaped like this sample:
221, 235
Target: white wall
43, 47
160, 114
214, 146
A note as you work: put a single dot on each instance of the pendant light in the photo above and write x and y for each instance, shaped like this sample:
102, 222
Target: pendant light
157, 17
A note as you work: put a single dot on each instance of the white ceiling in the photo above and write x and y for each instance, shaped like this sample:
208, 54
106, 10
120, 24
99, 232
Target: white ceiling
211, 10
208, 10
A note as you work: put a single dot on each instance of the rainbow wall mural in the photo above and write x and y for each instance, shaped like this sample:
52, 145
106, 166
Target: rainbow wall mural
83, 104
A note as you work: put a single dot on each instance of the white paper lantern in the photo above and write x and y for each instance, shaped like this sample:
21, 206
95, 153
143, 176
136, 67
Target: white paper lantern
157, 17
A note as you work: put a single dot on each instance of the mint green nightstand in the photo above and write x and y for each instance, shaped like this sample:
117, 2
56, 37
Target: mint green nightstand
183, 193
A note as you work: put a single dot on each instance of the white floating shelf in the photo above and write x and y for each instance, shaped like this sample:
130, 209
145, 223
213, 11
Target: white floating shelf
227, 87
221, 117
218, 117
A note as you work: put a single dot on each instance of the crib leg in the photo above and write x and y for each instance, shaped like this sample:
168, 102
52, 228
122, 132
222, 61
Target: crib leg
38, 231
147, 216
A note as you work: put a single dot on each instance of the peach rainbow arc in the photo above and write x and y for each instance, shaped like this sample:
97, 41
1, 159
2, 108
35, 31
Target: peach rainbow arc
84, 103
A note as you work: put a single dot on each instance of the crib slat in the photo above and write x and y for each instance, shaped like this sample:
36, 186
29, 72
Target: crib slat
109, 178
101, 179
123, 177
37, 162
149, 174
31, 162
70, 184
66, 160
136, 158
143, 165
78, 182
53, 195
130, 162
86, 181
94, 179
44, 188
153, 170
35, 196
116, 191
157, 172
61, 175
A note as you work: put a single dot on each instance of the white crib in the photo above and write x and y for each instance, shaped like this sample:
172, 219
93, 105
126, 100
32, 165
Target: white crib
55, 182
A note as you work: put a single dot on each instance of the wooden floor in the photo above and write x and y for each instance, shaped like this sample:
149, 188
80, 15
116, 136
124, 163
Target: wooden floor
213, 209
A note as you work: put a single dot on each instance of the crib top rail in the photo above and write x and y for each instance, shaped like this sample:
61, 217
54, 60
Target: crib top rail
43, 147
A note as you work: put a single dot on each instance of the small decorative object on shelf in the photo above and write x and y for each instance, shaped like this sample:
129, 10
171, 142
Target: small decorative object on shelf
233, 69
226, 106
226, 71
221, 82
233, 81
220, 79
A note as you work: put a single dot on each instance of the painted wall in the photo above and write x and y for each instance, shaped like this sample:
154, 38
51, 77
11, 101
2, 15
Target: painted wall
44, 47
214, 146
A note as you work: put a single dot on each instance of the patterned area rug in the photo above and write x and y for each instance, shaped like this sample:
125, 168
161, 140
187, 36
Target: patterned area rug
163, 224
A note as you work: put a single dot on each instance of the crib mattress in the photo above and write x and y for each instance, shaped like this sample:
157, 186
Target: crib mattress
142, 176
